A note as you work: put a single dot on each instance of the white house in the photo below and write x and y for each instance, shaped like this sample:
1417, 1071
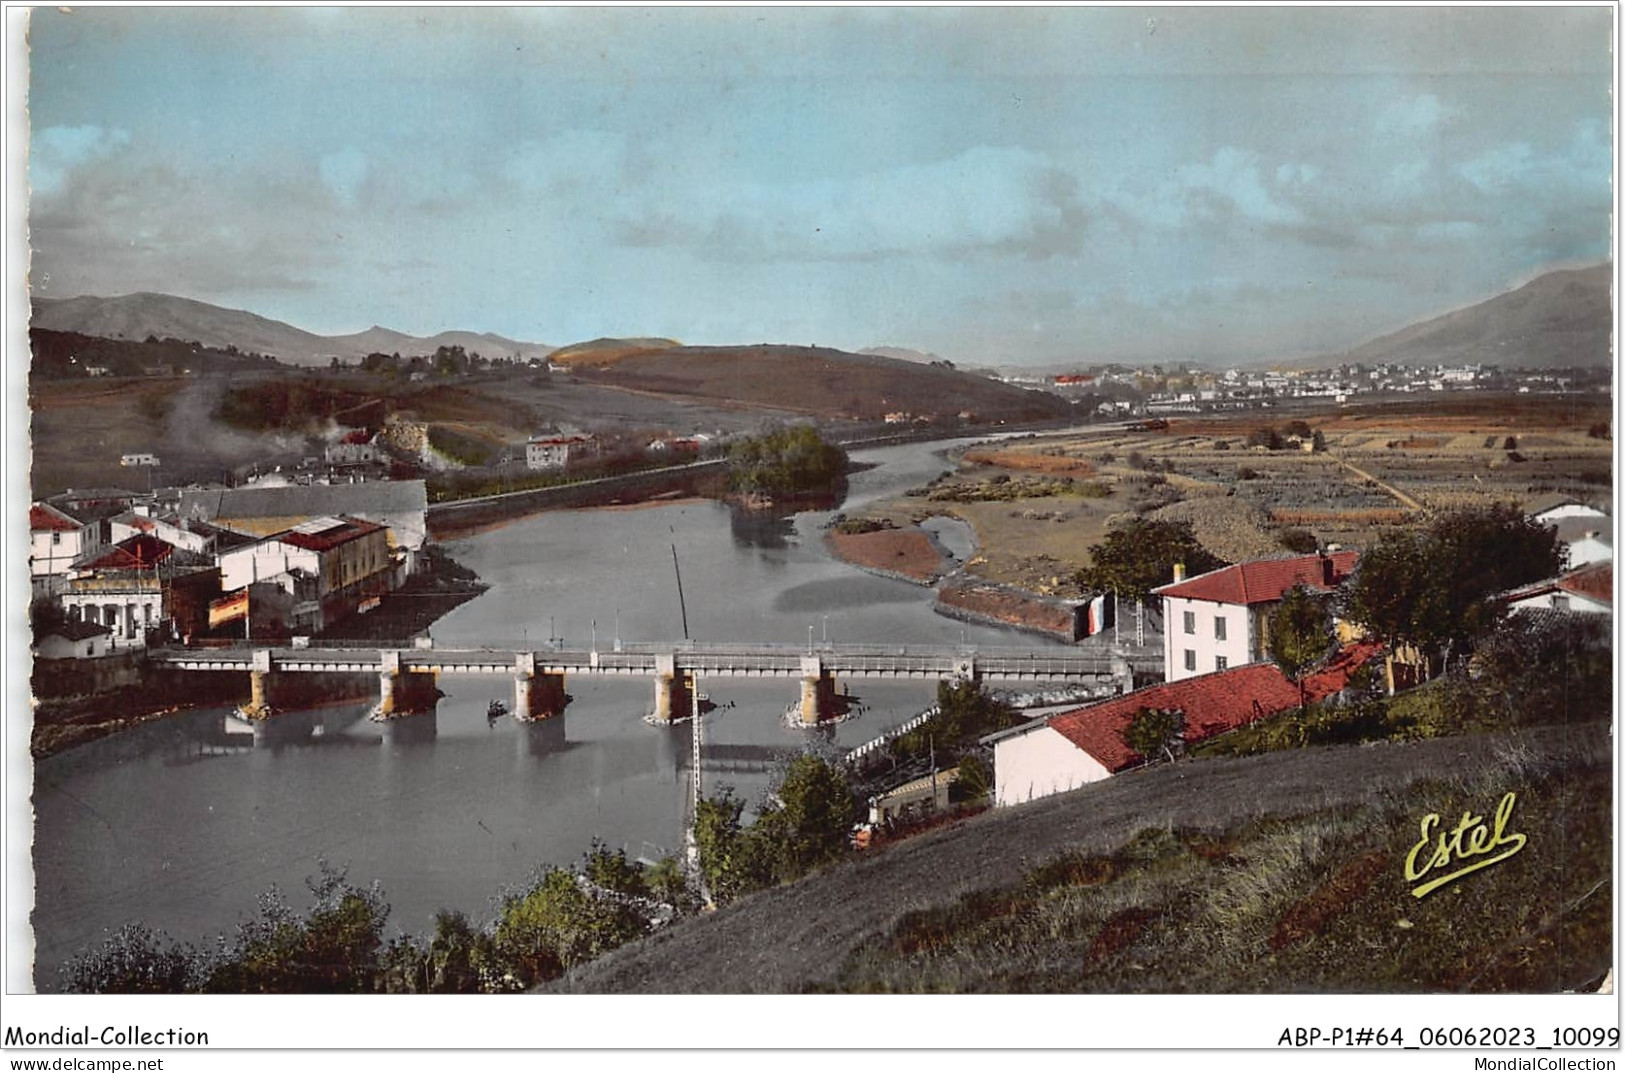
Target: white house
1588, 590
169, 530
1550, 509
74, 639
140, 458
1086, 745
1219, 620
349, 559
400, 506
1037, 760
55, 539
1589, 538
553, 452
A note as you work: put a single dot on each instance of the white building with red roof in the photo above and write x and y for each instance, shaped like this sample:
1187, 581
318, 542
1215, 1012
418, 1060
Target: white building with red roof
1588, 590
554, 452
55, 539
1219, 620
328, 566
1078, 747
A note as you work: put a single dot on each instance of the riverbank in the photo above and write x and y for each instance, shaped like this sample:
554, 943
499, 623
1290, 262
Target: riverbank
455, 519
65, 722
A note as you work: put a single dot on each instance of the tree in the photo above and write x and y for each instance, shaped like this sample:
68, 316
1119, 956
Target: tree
1265, 437
818, 810
334, 949
785, 461
1318, 442
1155, 730
719, 834
1300, 634
1439, 590
1140, 554
555, 924
975, 779
134, 960
612, 871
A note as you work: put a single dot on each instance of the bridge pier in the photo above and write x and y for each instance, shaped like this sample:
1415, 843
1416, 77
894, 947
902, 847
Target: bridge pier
260, 683
674, 692
536, 696
403, 693
1122, 674
817, 692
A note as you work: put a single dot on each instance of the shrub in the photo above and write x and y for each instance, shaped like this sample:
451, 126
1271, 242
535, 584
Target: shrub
1301, 541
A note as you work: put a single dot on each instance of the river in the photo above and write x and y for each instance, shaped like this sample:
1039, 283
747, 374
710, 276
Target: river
181, 826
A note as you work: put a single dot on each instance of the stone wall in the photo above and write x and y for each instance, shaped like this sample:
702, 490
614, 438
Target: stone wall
999, 606
57, 678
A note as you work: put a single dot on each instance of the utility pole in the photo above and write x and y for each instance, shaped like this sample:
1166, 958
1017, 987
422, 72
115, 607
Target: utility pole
681, 605
696, 773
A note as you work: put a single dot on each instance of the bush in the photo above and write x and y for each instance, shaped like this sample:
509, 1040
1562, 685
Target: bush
1301, 541
134, 960
462, 449
859, 526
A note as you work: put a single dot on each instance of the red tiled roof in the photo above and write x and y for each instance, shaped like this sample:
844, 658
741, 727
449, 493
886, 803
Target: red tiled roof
140, 552
1265, 580
1212, 703
328, 539
42, 517
1595, 582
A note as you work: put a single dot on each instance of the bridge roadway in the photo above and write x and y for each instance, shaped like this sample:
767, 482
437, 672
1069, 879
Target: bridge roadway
697, 659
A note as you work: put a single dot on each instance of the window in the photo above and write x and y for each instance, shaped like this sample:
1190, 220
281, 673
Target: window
1190, 622
1190, 659
1221, 663
56, 538
1218, 628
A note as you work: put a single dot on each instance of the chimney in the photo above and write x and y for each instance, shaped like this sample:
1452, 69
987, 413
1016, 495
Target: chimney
1179, 573
1326, 571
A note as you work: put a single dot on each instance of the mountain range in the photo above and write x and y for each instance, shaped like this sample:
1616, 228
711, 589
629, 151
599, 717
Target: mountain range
139, 316
1560, 318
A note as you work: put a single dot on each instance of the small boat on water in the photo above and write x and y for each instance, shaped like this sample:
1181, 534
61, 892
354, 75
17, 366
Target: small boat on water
495, 712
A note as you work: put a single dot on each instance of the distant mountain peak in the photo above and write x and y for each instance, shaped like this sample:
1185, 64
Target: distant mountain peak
146, 313
1563, 317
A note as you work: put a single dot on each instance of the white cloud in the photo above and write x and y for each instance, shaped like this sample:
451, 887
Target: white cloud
1417, 116
57, 151
1228, 185
1582, 164
984, 199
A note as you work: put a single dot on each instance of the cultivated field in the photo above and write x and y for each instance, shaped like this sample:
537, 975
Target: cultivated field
1382, 467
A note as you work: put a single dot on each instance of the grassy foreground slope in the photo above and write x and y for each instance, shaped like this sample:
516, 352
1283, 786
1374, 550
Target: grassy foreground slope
1281, 872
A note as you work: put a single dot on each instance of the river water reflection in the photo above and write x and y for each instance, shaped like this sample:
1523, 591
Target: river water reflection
180, 825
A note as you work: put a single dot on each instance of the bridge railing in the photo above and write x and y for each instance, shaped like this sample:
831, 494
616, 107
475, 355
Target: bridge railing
719, 654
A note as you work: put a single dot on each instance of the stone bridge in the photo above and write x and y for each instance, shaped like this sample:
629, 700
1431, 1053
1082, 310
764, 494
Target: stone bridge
407, 672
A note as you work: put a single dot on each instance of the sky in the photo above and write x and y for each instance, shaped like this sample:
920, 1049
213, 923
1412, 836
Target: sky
998, 186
